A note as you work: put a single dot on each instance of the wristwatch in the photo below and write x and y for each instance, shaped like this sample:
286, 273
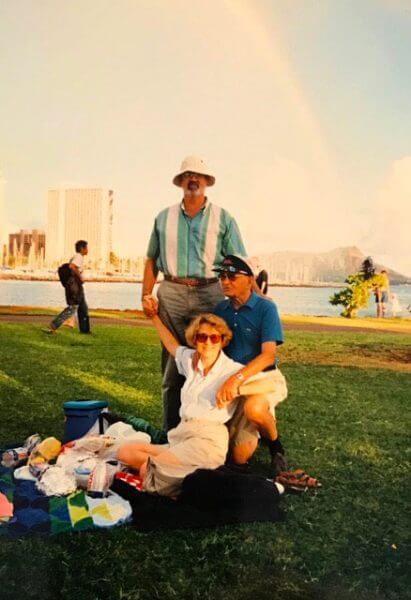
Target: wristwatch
240, 376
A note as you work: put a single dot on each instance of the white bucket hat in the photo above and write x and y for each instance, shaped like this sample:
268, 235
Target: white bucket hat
195, 165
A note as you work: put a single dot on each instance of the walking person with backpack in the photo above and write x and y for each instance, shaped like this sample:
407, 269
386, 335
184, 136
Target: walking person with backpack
71, 277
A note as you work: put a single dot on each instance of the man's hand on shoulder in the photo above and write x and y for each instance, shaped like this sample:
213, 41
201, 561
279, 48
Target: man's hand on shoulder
228, 391
150, 305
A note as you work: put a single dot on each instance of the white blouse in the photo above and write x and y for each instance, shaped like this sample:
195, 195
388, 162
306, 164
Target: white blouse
198, 395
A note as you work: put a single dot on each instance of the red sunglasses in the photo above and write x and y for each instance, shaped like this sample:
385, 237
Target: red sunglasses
203, 337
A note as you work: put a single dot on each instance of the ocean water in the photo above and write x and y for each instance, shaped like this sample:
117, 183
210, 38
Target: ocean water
290, 300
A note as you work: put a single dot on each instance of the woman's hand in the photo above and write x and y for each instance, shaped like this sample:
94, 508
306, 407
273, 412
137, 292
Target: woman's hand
195, 360
228, 391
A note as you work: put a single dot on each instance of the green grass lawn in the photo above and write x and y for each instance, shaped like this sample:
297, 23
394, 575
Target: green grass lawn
345, 422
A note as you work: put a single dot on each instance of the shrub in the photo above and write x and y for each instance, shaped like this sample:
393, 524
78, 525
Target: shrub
355, 296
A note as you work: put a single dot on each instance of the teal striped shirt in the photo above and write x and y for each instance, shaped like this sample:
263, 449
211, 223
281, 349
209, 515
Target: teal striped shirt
191, 247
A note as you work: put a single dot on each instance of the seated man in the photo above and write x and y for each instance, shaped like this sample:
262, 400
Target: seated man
257, 331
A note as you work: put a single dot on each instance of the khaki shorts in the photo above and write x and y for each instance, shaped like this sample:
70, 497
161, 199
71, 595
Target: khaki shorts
240, 429
197, 444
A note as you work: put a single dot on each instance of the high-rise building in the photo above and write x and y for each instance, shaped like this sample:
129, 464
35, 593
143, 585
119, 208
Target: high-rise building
26, 241
26, 248
79, 214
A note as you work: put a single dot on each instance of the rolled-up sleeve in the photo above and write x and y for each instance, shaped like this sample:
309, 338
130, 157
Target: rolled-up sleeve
153, 249
183, 359
232, 241
272, 330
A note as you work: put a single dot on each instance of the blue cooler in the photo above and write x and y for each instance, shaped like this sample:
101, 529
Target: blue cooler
80, 416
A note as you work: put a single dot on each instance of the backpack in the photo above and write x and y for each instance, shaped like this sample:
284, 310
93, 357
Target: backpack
245, 495
64, 273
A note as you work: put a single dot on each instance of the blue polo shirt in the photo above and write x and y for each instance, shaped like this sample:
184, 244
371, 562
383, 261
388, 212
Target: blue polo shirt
254, 323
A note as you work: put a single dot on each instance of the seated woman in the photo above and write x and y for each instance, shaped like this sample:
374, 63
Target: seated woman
201, 438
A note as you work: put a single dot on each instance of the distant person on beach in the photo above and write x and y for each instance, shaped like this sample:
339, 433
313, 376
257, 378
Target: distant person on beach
75, 297
257, 332
395, 305
385, 292
187, 241
381, 292
377, 297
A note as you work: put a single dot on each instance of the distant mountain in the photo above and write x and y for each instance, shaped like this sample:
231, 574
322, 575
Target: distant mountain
319, 268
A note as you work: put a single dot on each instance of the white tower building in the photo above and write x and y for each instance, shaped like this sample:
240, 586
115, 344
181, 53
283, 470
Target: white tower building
79, 213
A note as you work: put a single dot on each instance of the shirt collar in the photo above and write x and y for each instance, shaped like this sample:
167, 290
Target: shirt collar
251, 302
218, 363
202, 209
226, 304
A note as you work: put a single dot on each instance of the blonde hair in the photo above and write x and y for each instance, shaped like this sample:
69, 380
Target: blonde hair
213, 321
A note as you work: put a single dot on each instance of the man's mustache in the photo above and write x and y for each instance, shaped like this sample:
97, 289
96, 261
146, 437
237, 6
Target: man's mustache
193, 185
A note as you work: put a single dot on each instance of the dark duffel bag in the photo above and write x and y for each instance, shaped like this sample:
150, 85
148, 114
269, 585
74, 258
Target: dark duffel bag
64, 273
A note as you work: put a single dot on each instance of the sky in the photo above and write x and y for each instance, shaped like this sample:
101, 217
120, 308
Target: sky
302, 109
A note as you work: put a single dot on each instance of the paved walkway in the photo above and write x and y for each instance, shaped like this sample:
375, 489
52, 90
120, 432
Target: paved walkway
141, 322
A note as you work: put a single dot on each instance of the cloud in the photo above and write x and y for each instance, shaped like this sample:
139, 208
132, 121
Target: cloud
388, 238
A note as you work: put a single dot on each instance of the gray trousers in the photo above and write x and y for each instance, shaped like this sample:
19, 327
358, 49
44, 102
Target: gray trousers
178, 304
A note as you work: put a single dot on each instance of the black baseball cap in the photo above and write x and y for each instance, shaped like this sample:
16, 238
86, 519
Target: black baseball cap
235, 264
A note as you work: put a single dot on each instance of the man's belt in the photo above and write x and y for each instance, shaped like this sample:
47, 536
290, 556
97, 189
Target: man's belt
191, 281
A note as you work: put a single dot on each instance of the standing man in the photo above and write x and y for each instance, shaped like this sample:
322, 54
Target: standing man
188, 240
381, 291
384, 292
257, 332
75, 296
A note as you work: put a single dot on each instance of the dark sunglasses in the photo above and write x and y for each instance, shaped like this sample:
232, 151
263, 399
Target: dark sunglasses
225, 275
203, 337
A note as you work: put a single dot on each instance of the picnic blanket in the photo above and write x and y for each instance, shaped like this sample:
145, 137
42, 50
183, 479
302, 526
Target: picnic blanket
35, 513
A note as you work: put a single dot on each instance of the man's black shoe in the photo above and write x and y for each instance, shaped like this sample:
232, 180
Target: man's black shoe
274, 446
278, 464
278, 460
